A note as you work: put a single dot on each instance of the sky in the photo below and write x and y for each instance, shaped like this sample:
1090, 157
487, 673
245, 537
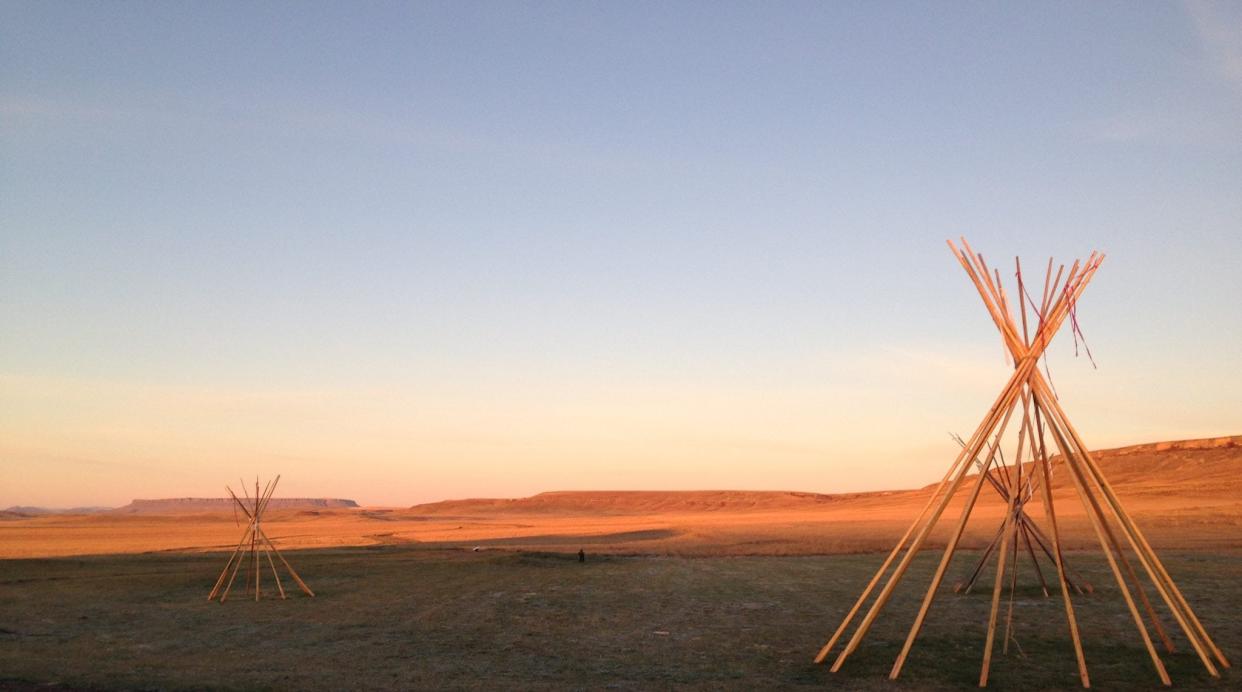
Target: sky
403, 252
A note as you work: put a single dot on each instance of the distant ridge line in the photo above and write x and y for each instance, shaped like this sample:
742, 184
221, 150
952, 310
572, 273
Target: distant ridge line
216, 504
1175, 445
655, 501
642, 501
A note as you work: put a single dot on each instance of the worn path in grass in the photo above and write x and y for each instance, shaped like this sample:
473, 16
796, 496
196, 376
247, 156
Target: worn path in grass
399, 617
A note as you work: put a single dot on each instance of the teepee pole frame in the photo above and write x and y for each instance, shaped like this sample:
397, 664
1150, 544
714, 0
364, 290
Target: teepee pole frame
1040, 414
1025, 366
957, 472
261, 548
1075, 453
1005, 323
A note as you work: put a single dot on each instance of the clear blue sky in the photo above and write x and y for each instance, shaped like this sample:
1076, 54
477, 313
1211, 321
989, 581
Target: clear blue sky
412, 251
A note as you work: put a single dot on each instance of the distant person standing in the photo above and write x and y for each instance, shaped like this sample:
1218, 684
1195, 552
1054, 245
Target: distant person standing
581, 555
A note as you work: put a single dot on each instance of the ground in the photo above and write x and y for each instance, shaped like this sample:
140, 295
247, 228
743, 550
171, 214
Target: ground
697, 590
413, 617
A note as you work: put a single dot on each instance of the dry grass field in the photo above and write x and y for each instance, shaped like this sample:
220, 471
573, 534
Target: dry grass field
1185, 495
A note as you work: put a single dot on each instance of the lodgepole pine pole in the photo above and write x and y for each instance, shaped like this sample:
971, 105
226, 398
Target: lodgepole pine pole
978, 439
258, 571
1026, 539
1013, 589
947, 556
823, 652
292, 572
224, 596
275, 575
1050, 511
215, 589
996, 594
969, 584
1164, 586
1096, 516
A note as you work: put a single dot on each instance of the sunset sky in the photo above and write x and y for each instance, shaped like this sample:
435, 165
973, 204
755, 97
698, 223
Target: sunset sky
408, 252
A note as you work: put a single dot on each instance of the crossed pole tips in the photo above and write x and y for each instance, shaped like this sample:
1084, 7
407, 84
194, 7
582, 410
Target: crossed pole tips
1029, 401
253, 546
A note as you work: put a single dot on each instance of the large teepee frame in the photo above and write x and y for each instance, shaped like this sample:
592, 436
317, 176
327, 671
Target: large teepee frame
260, 544
1039, 414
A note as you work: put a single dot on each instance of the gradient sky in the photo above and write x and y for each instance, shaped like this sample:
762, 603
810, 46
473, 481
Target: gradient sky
407, 252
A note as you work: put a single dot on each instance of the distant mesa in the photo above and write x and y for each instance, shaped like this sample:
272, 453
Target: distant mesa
200, 505
23, 511
181, 505
637, 502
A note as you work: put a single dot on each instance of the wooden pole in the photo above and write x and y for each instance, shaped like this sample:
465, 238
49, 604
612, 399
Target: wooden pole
275, 574
223, 575
1128, 523
292, 572
258, 571
977, 441
244, 508
1164, 585
1050, 511
1013, 588
1092, 504
1026, 538
224, 596
996, 594
1018, 509
1093, 511
225, 571
945, 559
1075, 580
981, 562
823, 652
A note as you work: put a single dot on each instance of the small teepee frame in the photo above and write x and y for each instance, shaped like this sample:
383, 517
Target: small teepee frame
260, 546
1039, 414
1025, 528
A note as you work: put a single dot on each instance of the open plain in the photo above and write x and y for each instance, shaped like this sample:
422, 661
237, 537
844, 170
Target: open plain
1187, 495
709, 589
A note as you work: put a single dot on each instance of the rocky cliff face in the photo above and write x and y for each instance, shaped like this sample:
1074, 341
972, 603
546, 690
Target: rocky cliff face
185, 505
